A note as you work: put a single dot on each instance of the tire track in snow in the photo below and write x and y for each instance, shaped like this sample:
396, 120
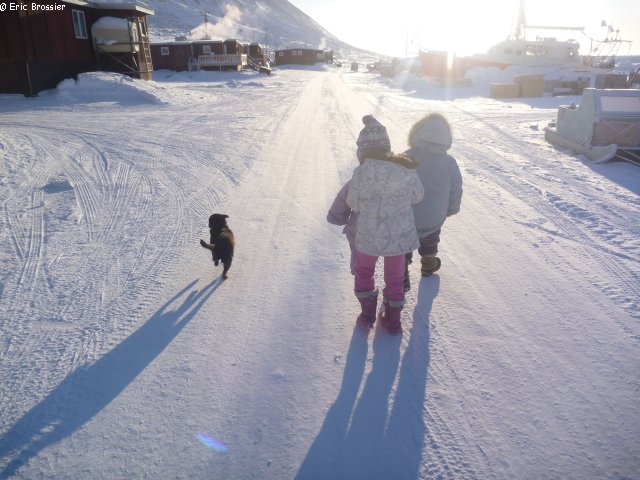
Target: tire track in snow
29, 224
582, 221
130, 186
34, 227
128, 205
87, 197
12, 226
83, 165
625, 292
106, 207
120, 197
19, 216
491, 148
36, 238
341, 119
87, 185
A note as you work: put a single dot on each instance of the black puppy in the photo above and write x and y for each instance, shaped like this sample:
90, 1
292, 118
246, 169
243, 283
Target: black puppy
221, 243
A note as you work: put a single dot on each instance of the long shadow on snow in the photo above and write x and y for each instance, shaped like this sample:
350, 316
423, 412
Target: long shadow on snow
406, 430
86, 391
367, 441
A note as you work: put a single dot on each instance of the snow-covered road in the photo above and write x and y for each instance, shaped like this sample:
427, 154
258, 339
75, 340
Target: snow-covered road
123, 355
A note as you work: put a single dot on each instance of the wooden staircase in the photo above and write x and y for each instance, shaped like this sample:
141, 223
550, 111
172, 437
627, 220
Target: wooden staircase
146, 64
257, 67
193, 65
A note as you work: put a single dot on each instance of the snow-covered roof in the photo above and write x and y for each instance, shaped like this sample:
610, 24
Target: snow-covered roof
113, 5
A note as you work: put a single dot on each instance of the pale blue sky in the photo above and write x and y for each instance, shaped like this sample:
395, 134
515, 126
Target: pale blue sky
467, 26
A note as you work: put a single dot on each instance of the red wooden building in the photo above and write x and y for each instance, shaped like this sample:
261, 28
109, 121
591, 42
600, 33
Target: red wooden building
179, 55
45, 42
302, 56
182, 55
209, 47
295, 56
171, 55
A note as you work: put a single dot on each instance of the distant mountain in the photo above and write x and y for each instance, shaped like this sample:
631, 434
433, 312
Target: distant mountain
274, 23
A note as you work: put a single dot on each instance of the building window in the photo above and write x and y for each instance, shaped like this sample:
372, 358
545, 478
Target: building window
281, 54
206, 49
79, 25
164, 50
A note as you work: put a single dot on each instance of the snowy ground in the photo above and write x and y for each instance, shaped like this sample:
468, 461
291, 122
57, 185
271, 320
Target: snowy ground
124, 355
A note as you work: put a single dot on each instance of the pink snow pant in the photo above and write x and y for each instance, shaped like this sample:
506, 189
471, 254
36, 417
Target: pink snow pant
393, 275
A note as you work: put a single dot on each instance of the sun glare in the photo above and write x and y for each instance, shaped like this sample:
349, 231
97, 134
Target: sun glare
469, 26
461, 26
464, 27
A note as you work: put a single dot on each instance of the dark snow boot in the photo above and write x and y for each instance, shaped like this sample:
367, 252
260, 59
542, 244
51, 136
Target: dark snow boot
368, 303
430, 265
390, 314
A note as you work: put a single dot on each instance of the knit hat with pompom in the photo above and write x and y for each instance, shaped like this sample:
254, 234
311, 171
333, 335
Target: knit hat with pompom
373, 139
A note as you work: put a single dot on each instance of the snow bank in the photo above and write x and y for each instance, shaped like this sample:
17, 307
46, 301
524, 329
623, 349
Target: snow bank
246, 78
477, 82
95, 87
435, 89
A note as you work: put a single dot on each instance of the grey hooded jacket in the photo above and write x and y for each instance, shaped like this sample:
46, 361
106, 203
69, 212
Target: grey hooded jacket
430, 139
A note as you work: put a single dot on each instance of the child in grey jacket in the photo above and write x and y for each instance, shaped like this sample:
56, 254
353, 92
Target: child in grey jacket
429, 141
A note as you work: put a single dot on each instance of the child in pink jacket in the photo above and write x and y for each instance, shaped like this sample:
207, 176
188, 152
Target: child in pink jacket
378, 201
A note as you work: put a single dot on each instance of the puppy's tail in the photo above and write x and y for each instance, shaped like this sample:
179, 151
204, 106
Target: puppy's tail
208, 246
